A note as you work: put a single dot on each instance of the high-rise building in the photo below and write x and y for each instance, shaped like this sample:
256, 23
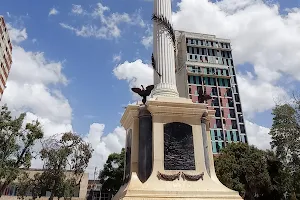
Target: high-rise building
204, 65
5, 55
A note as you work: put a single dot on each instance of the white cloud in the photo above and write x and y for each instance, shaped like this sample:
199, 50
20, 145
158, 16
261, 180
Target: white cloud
147, 39
135, 73
258, 135
109, 22
28, 89
53, 11
104, 144
257, 95
16, 35
272, 45
117, 57
77, 9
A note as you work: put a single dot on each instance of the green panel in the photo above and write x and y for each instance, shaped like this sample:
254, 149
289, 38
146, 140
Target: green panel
234, 136
197, 80
214, 148
212, 135
228, 136
205, 80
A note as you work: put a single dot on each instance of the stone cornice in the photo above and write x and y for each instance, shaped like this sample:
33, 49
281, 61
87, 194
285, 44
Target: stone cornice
130, 113
176, 108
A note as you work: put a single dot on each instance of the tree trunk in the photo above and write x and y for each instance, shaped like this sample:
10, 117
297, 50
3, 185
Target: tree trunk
53, 191
3, 187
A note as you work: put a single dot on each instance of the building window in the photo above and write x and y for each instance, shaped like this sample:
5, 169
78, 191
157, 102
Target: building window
230, 103
232, 113
217, 113
237, 98
231, 136
219, 123
216, 135
241, 119
242, 127
238, 107
234, 124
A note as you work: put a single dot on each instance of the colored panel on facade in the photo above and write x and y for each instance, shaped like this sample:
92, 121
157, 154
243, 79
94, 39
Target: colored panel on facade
209, 102
212, 123
222, 91
228, 136
208, 90
197, 79
214, 148
193, 89
212, 135
228, 124
194, 99
226, 113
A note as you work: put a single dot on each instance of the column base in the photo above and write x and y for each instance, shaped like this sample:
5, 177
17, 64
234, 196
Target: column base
165, 89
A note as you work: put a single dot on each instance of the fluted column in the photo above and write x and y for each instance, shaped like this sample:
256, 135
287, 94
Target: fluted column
163, 51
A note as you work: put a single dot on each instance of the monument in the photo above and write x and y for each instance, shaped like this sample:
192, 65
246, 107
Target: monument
168, 148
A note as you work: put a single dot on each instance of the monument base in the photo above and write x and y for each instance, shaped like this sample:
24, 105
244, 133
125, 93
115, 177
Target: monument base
194, 176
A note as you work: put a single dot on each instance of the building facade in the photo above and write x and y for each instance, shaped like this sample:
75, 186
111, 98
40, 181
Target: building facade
5, 55
204, 65
10, 192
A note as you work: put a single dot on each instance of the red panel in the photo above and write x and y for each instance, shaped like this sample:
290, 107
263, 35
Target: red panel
223, 91
226, 112
208, 90
209, 102
194, 98
228, 124
193, 89
212, 123
224, 102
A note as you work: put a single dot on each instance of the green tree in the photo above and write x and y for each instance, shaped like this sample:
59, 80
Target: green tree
247, 170
113, 171
30, 185
65, 161
285, 133
16, 142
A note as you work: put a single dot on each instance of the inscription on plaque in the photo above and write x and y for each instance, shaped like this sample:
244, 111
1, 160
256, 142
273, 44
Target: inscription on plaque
128, 156
178, 147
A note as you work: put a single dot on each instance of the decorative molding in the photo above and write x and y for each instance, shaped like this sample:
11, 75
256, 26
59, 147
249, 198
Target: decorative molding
167, 177
184, 176
192, 177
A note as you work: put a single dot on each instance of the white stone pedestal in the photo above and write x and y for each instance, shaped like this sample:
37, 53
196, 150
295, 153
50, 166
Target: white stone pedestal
167, 110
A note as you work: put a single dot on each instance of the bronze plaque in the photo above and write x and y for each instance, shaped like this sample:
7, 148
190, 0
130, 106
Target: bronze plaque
178, 147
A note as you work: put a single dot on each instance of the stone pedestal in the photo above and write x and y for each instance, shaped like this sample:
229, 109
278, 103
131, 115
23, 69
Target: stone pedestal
180, 152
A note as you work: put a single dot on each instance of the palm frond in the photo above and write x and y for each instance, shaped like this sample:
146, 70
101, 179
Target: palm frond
167, 25
154, 65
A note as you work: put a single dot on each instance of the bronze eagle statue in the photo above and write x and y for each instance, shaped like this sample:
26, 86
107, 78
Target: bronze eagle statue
203, 97
143, 92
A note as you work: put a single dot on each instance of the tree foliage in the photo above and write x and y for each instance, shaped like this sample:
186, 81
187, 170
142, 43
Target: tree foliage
65, 160
244, 169
16, 142
111, 177
285, 133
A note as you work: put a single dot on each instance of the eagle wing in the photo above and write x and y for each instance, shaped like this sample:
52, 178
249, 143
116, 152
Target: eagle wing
137, 90
149, 89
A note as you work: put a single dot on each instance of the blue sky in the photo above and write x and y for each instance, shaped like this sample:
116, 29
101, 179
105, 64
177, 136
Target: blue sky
95, 92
